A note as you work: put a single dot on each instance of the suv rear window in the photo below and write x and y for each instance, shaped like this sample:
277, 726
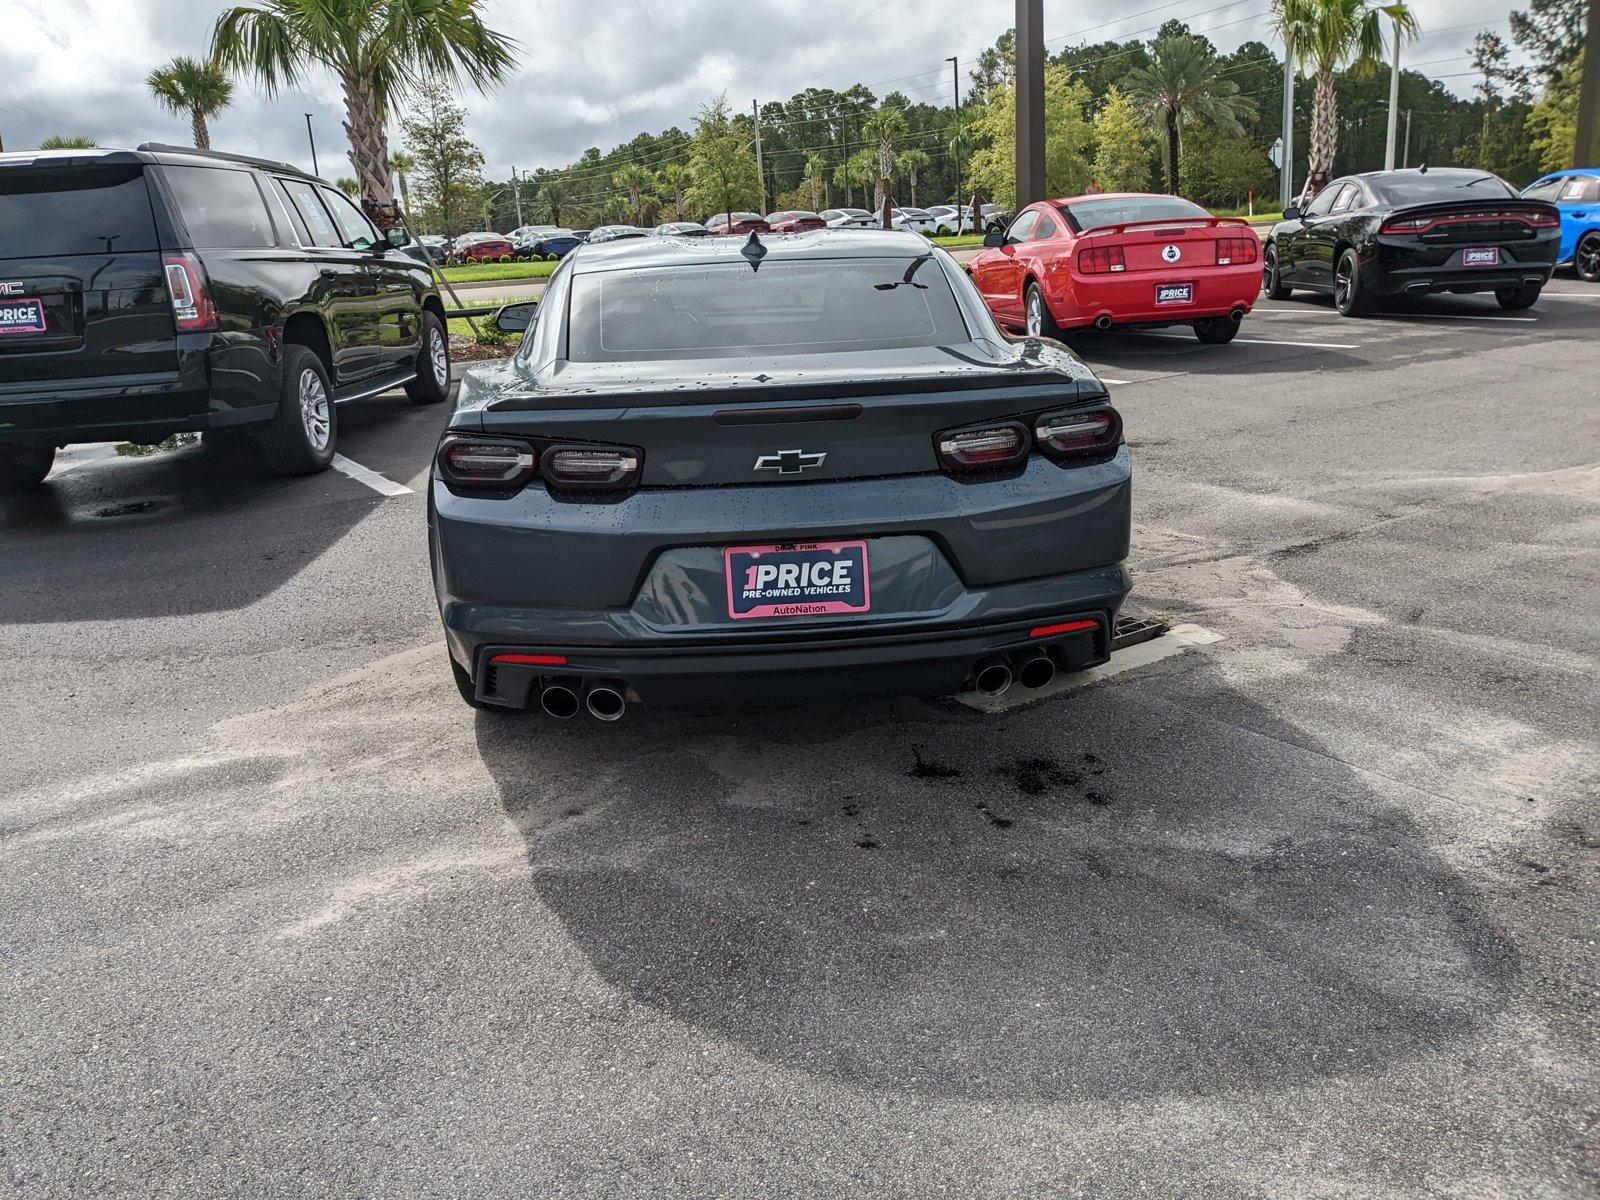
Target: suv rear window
724, 310
53, 211
221, 208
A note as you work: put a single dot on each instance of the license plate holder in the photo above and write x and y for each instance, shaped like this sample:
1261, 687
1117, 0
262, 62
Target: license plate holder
1174, 293
21, 316
797, 579
1481, 256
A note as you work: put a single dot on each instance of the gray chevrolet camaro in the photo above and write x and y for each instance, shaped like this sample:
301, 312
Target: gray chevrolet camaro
721, 471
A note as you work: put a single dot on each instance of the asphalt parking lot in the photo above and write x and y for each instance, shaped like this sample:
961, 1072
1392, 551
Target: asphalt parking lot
1305, 908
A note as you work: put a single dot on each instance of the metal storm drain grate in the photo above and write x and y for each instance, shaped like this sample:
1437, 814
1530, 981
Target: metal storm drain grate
1131, 631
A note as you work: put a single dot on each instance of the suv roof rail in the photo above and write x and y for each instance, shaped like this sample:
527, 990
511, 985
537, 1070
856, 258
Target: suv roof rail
269, 164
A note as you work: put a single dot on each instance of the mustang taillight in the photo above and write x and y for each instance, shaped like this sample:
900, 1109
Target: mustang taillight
1101, 260
192, 310
986, 449
590, 468
1237, 251
1078, 434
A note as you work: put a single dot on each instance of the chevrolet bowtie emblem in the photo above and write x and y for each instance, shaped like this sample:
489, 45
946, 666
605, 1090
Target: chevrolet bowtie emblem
790, 462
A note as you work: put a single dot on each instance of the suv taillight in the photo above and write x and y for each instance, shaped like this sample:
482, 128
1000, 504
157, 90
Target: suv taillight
1237, 251
192, 310
1101, 260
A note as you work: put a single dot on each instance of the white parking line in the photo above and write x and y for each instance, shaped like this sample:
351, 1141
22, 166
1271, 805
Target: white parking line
1250, 341
378, 483
1106, 379
1448, 317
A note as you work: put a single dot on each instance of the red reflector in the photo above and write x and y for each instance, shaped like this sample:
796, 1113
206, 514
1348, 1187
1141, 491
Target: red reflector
1044, 631
531, 660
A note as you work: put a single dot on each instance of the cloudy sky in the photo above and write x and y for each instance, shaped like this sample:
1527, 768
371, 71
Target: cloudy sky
593, 74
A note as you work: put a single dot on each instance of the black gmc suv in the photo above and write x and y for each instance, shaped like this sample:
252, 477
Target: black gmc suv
163, 290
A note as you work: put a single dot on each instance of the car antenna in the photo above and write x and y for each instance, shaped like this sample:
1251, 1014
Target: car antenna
754, 251
1423, 169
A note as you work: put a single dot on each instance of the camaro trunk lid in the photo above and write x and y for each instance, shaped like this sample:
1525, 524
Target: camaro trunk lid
788, 419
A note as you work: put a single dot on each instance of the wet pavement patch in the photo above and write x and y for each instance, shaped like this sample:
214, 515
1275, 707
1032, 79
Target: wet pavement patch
132, 508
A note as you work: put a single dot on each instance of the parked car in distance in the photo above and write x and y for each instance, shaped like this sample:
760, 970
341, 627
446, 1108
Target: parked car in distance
484, 247
914, 220
950, 219
1370, 238
1576, 195
553, 244
849, 218
825, 478
436, 245
681, 229
527, 232
1120, 259
611, 233
167, 290
582, 234
795, 221
737, 223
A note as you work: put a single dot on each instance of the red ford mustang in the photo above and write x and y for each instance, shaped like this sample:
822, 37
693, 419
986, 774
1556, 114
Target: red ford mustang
1120, 259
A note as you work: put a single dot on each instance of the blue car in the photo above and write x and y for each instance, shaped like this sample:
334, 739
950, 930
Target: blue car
1577, 194
558, 243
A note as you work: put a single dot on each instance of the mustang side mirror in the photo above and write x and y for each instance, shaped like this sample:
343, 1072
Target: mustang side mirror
994, 239
515, 318
1292, 211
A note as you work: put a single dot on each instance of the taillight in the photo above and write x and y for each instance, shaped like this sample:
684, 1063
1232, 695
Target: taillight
192, 310
1406, 225
985, 449
1544, 220
1101, 260
1237, 251
475, 463
1080, 434
591, 468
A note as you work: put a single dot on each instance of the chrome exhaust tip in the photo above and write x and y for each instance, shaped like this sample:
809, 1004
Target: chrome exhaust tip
605, 702
1102, 323
1036, 671
559, 700
992, 676
1237, 315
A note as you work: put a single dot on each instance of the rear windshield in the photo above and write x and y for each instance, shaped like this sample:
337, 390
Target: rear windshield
1124, 210
1419, 189
51, 211
730, 311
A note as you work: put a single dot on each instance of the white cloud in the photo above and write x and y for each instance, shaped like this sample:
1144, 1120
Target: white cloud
592, 75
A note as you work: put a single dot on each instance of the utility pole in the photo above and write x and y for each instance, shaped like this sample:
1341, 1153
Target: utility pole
1394, 103
1583, 146
955, 83
761, 169
516, 195
1030, 102
1406, 161
1286, 171
310, 138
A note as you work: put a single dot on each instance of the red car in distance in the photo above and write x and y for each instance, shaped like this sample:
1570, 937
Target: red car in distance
741, 222
483, 247
795, 221
1120, 259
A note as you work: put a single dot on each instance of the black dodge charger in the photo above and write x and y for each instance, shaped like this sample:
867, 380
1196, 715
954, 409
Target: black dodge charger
1366, 238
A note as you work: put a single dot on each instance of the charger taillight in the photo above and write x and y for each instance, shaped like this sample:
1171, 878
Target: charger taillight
1101, 260
1237, 251
192, 310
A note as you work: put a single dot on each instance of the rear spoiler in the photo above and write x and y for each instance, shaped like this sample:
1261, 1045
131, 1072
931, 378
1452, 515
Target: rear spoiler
1171, 223
1487, 204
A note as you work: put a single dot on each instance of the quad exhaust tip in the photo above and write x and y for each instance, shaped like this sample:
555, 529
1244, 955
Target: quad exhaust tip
1036, 670
559, 700
992, 676
605, 702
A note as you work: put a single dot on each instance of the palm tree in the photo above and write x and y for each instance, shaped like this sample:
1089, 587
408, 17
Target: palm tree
379, 50
636, 181
672, 182
910, 163
348, 186
1182, 85
189, 86
1324, 36
403, 164
554, 192
860, 168
816, 177
58, 141
882, 127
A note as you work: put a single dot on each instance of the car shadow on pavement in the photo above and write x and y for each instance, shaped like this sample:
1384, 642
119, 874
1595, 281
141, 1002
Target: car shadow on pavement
1102, 895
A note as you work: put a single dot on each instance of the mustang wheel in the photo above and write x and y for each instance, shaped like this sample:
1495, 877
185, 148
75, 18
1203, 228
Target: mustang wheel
1350, 294
1272, 285
1216, 331
432, 383
23, 467
1586, 260
1036, 314
1515, 299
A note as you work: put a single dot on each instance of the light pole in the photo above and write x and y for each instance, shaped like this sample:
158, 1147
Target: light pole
1286, 172
1583, 151
1030, 102
516, 195
955, 84
312, 139
1394, 103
